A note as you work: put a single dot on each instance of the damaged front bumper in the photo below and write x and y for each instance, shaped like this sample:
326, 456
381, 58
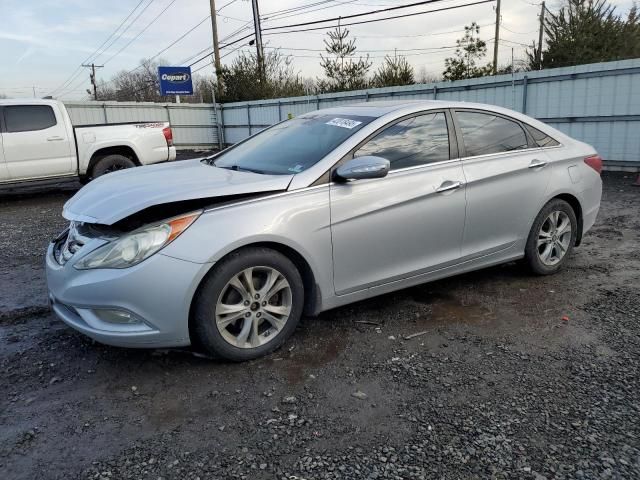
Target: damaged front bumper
146, 305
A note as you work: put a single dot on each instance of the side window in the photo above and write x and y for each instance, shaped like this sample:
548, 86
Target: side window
484, 133
25, 118
416, 141
541, 138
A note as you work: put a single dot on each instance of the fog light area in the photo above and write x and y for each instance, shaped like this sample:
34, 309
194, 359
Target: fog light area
117, 316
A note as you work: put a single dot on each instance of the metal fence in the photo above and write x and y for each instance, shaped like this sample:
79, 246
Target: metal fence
193, 124
597, 103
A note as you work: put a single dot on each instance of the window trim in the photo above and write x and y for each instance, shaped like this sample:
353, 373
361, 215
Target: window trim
531, 145
5, 128
526, 127
453, 142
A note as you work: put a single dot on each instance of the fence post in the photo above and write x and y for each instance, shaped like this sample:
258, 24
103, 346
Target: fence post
366, 96
168, 113
104, 112
524, 94
317, 102
220, 123
249, 118
279, 112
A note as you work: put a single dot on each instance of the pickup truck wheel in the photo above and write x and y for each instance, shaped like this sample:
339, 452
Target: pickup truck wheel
111, 163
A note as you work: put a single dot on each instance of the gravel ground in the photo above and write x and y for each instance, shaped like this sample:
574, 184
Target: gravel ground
510, 376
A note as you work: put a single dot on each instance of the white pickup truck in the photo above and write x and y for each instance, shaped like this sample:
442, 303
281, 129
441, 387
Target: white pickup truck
38, 142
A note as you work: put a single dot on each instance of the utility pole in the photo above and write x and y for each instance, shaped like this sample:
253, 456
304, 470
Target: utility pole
497, 39
92, 76
258, 31
539, 52
216, 49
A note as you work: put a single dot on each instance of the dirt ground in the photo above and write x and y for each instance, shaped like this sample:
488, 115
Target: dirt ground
513, 376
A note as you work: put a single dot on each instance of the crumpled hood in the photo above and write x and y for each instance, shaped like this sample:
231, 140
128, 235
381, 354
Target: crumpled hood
117, 195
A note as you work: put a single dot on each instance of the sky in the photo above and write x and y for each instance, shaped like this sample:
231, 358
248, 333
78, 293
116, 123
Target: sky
43, 43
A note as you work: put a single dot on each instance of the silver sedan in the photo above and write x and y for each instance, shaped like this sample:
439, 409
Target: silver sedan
227, 252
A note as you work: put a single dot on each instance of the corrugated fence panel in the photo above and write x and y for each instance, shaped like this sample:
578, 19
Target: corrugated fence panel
85, 114
595, 103
194, 125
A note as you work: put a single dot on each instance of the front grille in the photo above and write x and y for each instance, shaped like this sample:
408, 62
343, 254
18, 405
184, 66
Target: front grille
66, 246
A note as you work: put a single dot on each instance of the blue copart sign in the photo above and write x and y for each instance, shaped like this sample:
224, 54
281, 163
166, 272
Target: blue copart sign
175, 80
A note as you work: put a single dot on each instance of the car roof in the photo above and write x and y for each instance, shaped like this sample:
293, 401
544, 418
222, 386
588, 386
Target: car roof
27, 101
398, 107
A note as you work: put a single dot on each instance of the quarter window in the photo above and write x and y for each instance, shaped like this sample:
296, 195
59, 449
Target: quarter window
416, 141
541, 138
484, 133
25, 118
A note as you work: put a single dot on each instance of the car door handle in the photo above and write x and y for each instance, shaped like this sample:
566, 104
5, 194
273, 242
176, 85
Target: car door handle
537, 163
54, 139
446, 186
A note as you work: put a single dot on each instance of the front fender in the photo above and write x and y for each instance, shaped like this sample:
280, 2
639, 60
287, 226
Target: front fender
298, 220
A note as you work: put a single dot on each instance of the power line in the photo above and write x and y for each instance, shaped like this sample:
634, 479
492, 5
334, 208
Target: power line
140, 33
356, 15
479, 2
296, 13
366, 51
218, 10
347, 24
79, 67
105, 49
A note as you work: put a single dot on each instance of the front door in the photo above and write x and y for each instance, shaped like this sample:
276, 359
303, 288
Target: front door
36, 143
506, 181
407, 223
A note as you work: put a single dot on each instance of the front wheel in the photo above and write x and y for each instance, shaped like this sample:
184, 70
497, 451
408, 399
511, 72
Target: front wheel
248, 305
551, 238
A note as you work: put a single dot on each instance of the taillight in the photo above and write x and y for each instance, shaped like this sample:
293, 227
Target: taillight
168, 136
595, 162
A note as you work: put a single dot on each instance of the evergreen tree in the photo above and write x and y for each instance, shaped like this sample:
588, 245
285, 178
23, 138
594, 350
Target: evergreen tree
587, 31
242, 80
468, 56
393, 71
342, 70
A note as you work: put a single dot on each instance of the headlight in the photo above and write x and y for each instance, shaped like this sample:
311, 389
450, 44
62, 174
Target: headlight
132, 248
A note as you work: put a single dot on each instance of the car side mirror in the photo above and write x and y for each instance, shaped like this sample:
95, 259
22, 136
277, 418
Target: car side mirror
361, 168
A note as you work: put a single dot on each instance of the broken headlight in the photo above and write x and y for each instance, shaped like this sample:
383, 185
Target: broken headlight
132, 248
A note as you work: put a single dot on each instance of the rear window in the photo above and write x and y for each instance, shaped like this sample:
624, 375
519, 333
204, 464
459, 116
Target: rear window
25, 118
541, 138
485, 133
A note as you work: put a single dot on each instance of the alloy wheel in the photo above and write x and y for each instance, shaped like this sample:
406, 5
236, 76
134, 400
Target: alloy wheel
253, 307
554, 238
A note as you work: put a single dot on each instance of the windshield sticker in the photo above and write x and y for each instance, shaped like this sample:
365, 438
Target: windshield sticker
344, 123
297, 169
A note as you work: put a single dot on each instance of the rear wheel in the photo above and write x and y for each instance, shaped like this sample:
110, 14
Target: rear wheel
111, 163
249, 305
551, 238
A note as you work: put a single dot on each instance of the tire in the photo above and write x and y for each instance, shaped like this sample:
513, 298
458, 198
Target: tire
248, 327
548, 247
111, 163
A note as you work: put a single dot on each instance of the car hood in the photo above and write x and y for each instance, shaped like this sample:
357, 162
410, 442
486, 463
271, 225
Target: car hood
117, 195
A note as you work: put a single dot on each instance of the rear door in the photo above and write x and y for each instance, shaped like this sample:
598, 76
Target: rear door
36, 143
410, 221
506, 180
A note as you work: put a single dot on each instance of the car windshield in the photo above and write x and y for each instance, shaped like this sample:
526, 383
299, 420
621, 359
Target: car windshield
292, 146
